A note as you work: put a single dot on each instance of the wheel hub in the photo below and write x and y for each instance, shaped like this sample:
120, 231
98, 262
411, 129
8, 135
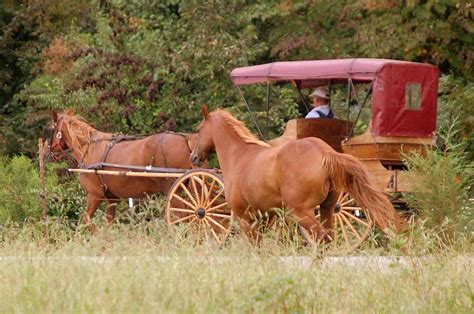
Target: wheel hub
337, 208
201, 213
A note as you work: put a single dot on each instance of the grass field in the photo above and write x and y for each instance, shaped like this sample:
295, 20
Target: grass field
143, 268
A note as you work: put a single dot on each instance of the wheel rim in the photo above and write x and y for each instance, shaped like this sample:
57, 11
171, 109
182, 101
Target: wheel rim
196, 203
351, 224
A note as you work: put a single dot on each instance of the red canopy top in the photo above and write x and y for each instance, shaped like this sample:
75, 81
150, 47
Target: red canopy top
404, 93
316, 72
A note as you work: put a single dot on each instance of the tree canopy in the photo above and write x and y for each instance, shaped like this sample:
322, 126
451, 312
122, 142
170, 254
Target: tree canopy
137, 66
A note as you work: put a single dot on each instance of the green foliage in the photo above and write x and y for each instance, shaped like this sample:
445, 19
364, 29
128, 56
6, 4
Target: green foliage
438, 32
64, 195
147, 66
20, 190
26, 28
456, 102
441, 188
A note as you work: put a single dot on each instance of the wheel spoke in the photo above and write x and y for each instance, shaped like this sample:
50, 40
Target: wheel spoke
352, 208
217, 207
344, 234
342, 197
198, 239
204, 197
205, 231
336, 223
196, 193
355, 218
189, 194
181, 220
215, 198
347, 202
190, 224
182, 210
212, 230
184, 201
216, 223
209, 190
351, 227
219, 215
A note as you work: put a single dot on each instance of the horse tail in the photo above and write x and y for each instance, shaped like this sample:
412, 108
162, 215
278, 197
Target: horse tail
348, 174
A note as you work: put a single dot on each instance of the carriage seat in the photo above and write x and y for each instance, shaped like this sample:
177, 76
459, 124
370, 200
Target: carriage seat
332, 131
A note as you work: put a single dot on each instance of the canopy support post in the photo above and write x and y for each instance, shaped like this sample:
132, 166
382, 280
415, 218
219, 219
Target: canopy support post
301, 95
362, 106
251, 113
348, 102
268, 106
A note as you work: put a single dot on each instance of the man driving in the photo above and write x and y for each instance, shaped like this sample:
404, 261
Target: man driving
321, 108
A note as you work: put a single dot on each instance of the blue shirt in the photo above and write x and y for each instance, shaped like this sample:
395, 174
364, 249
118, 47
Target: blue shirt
314, 113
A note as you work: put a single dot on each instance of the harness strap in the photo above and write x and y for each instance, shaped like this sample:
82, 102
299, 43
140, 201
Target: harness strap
162, 151
104, 187
160, 145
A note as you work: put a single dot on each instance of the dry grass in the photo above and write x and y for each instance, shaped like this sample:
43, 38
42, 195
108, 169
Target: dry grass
143, 268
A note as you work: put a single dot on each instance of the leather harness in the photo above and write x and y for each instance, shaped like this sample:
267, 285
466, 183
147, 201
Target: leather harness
118, 138
55, 141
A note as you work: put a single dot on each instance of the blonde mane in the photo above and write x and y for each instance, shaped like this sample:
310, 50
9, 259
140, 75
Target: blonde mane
80, 131
239, 127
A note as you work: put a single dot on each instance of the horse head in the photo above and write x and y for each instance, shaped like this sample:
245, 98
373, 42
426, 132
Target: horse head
205, 143
57, 136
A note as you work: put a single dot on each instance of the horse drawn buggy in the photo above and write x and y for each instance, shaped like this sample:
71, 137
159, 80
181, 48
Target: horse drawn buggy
403, 97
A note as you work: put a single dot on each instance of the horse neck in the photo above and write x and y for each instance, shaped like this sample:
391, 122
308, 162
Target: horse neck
226, 142
82, 145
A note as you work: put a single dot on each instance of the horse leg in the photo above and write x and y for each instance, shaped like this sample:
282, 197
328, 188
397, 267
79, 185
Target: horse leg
93, 203
326, 209
245, 222
110, 210
307, 220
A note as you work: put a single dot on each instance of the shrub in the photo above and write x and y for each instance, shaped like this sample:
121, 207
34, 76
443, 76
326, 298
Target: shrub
441, 190
65, 196
20, 190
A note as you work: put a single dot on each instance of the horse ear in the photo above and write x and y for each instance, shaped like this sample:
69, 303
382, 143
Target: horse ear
205, 111
54, 115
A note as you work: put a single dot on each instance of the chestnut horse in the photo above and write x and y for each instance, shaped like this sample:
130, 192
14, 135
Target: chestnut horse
300, 175
71, 133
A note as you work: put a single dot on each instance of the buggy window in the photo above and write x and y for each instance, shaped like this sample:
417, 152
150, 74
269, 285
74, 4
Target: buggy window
413, 96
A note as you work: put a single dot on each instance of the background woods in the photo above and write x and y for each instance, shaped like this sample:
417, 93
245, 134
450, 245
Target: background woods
146, 66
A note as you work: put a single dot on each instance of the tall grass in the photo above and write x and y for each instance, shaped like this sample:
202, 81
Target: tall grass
441, 189
145, 268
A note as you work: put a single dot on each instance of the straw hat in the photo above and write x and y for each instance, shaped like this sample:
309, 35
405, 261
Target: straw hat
321, 92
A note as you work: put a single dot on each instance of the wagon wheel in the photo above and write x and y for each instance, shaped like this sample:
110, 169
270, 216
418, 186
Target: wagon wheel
197, 203
351, 224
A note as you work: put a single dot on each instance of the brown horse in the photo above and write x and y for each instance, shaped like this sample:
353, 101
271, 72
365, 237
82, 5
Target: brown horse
300, 175
72, 134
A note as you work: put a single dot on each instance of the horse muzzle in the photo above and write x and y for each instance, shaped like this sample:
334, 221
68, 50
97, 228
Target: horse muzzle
195, 160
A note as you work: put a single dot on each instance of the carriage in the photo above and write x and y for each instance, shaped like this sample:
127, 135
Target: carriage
403, 98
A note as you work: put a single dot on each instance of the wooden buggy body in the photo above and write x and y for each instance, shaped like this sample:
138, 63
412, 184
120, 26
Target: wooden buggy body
404, 100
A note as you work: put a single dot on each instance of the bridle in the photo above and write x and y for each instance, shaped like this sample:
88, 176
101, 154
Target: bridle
55, 141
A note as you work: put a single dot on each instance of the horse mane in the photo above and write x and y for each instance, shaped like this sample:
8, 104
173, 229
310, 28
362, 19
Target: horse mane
239, 128
79, 130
